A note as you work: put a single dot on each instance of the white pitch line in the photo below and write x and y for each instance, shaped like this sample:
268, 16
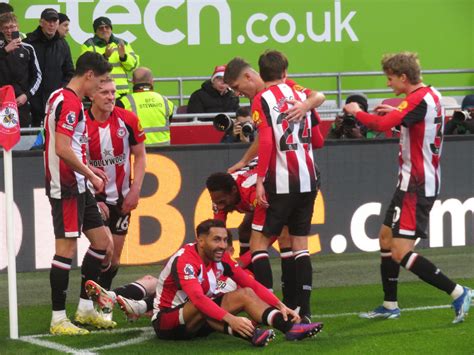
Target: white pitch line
33, 339
414, 309
148, 333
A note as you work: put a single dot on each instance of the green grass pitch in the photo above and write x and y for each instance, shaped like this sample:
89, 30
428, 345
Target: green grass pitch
344, 285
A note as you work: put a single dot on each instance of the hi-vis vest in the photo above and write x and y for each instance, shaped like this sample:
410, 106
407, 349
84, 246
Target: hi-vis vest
119, 68
154, 112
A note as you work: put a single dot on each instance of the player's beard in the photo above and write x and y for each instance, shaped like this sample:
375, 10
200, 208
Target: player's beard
216, 257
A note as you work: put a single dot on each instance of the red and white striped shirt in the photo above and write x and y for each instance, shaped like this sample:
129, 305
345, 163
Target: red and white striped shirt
109, 149
421, 118
186, 278
285, 148
65, 115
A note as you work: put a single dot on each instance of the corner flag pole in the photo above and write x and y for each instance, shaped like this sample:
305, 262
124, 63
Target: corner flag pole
12, 290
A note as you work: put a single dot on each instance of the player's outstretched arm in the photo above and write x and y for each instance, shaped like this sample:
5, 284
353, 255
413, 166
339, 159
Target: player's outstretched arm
65, 152
251, 153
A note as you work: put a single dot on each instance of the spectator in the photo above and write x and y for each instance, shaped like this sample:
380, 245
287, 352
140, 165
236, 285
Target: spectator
345, 125
118, 52
462, 121
6, 8
54, 57
63, 28
214, 95
153, 109
235, 134
18, 66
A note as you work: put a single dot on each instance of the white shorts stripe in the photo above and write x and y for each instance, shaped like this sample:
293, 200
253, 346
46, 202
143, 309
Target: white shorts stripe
74, 234
407, 232
257, 227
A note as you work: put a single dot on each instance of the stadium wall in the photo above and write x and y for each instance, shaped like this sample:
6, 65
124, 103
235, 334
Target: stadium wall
189, 37
358, 180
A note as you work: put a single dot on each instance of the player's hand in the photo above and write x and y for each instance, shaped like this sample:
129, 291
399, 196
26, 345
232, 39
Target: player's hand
121, 49
242, 325
98, 183
108, 51
352, 108
261, 196
296, 112
383, 109
131, 200
237, 129
104, 210
288, 312
14, 44
100, 173
21, 100
237, 166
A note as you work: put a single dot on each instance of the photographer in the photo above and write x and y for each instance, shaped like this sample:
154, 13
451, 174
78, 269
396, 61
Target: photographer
345, 125
462, 121
238, 130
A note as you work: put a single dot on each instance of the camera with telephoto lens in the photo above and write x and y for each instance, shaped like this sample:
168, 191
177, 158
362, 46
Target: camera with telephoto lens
224, 123
461, 116
348, 121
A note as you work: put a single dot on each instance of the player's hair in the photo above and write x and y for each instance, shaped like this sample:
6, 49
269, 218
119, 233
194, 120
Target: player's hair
92, 61
205, 226
272, 65
5, 8
7, 17
234, 68
243, 111
220, 182
403, 63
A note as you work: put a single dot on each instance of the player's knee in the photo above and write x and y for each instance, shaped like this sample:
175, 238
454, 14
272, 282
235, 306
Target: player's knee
148, 278
247, 293
397, 255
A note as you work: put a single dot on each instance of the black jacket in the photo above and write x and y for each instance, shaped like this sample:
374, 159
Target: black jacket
20, 69
54, 57
207, 99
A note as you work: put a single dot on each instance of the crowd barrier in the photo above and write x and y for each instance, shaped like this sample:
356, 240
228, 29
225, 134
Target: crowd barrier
358, 180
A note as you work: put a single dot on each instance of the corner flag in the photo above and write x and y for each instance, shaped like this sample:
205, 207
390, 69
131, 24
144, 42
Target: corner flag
9, 136
9, 118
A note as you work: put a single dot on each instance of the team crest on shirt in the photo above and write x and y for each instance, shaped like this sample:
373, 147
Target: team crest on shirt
189, 272
256, 118
403, 105
121, 132
298, 88
71, 118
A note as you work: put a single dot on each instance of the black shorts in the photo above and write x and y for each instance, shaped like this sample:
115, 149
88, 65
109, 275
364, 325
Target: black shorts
408, 214
169, 324
75, 214
294, 210
117, 222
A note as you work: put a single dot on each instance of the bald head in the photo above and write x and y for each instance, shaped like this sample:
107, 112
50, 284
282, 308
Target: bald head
142, 75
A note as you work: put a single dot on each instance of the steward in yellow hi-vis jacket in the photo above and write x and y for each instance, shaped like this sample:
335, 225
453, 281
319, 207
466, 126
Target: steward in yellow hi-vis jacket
118, 52
153, 110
